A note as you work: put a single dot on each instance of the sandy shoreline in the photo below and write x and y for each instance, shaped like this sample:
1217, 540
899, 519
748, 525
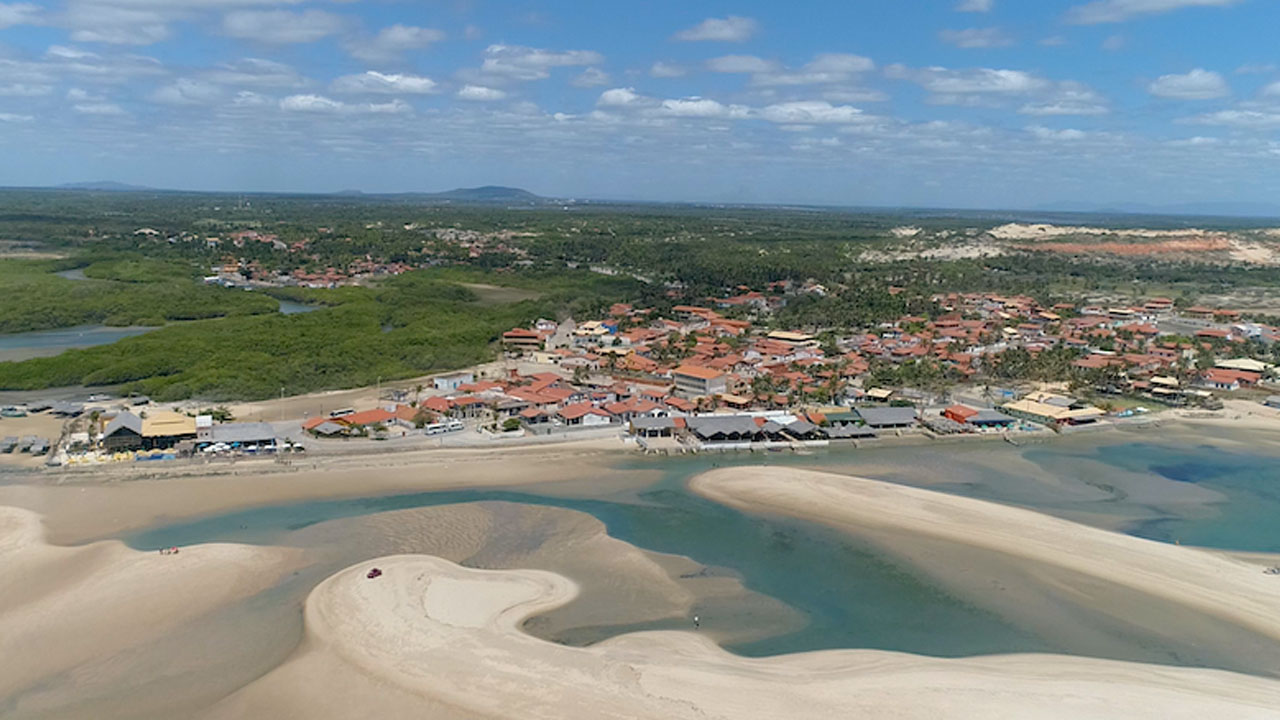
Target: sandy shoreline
76, 613
432, 637
75, 512
1210, 582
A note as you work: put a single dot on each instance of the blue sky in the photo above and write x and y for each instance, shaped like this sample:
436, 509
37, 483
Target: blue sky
951, 103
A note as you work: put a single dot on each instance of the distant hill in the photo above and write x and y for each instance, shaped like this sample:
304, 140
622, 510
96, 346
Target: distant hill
488, 194
104, 186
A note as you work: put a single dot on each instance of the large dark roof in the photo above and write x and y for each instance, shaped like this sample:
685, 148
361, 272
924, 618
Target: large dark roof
125, 420
878, 417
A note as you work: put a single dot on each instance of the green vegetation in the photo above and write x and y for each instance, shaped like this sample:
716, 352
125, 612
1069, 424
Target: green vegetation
37, 299
413, 324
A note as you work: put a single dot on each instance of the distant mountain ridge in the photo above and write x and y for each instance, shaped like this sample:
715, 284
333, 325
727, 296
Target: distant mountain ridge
483, 195
489, 193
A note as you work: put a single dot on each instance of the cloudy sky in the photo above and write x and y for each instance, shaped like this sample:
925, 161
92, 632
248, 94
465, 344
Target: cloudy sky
956, 103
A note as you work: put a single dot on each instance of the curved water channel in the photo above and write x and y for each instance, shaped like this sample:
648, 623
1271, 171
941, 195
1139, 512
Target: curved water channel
850, 593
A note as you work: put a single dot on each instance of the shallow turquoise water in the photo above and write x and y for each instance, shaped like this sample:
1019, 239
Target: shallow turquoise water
44, 343
1249, 517
852, 596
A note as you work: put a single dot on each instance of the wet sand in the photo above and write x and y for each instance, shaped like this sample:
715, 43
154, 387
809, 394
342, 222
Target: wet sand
1047, 569
1215, 607
185, 630
431, 638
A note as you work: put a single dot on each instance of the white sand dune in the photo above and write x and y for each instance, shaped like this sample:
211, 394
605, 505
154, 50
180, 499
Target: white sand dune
72, 613
432, 639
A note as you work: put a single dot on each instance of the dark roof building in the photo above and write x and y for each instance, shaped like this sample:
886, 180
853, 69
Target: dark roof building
888, 417
725, 428
124, 432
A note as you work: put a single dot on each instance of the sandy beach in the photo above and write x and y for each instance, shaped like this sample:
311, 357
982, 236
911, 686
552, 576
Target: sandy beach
1214, 584
106, 631
96, 504
79, 614
431, 637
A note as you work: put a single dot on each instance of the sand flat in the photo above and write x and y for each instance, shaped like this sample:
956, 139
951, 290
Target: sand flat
374, 634
433, 635
70, 615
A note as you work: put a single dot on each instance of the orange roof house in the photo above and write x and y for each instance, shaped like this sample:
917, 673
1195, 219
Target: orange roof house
368, 417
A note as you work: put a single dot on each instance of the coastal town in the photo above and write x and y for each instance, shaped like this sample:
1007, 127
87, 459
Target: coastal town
720, 376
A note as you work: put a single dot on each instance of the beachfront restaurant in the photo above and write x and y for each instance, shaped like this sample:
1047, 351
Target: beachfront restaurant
248, 436
157, 431
1053, 410
888, 418
978, 417
652, 427
725, 428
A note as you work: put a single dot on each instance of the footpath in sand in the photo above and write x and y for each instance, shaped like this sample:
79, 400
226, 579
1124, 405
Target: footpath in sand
430, 638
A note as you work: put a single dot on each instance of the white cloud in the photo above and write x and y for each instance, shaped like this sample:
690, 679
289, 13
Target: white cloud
698, 107
619, 97
1051, 135
848, 95
1257, 69
1199, 84
99, 108
975, 6
393, 41
322, 105
1272, 90
247, 98
372, 82
25, 90
256, 72
15, 118
62, 52
666, 70
1197, 141
282, 26
1111, 11
729, 29
591, 77
741, 64
1114, 43
1250, 119
1067, 98
117, 24
824, 69
812, 112
972, 38
480, 93
944, 81
186, 91
526, 63
18, 14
